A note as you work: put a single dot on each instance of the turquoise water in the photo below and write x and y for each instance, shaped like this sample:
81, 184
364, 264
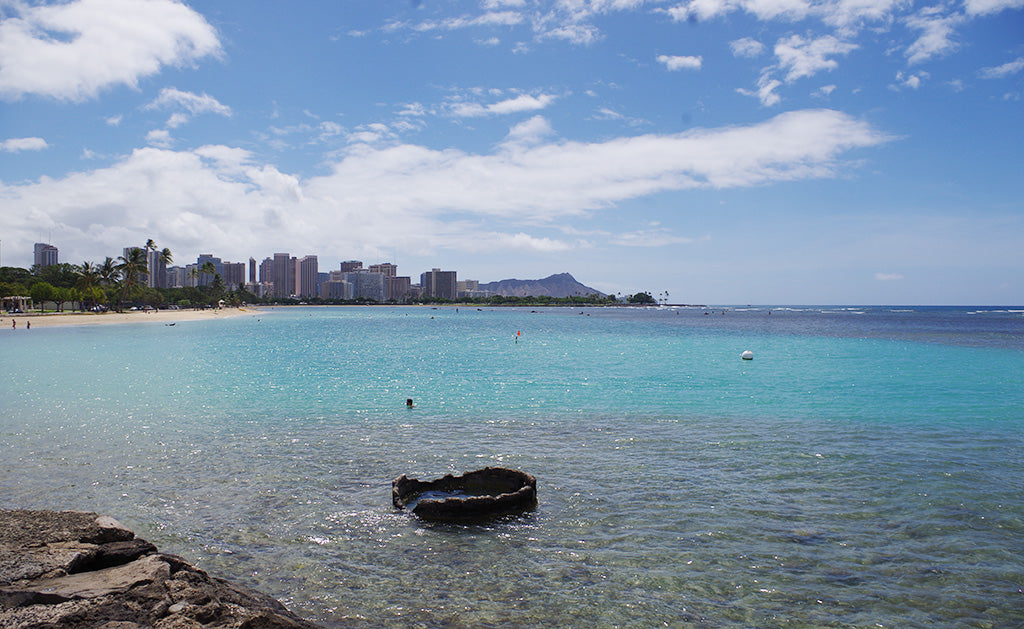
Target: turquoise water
865, 469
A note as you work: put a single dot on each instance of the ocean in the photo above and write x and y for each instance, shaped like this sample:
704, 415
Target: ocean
865, 469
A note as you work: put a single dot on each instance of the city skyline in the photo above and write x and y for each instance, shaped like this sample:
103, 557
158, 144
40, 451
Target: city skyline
780, 151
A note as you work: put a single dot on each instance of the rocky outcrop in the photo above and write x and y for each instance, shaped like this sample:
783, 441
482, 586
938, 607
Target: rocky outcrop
74, 569
473, 497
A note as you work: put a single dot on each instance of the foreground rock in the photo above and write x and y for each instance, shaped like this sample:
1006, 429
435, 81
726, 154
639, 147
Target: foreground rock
74, 569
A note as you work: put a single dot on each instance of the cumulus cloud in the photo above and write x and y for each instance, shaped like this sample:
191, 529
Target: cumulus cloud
533, 131
16, 145
801, 57
747, 47
411, 196
909, 80
71, 51
673, 62
160, 138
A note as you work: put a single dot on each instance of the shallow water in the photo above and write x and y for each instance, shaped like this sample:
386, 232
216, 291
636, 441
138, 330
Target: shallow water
865, 469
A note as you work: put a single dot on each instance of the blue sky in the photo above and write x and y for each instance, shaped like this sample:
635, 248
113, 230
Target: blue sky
724, 151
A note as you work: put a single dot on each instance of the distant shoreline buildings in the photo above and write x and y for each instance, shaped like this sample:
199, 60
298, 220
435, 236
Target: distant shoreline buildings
285, 276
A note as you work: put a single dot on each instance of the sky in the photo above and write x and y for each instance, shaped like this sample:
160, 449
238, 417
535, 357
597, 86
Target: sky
719, 151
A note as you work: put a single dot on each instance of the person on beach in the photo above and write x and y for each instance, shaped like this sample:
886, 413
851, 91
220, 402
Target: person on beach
14, 324
28, 325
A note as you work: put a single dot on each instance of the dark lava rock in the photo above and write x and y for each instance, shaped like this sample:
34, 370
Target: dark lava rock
473, 497
74, 569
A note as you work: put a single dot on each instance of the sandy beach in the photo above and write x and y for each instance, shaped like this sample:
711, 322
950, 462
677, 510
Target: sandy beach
51, 319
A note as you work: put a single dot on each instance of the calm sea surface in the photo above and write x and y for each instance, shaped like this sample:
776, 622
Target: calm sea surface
866, 469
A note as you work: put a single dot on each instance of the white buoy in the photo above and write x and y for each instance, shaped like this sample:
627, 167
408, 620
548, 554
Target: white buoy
747, 355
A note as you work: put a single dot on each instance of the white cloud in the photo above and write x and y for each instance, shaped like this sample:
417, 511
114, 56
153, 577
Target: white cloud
650, 238
1005, 70
936, 37
579, 34
71, 51
674, 63
523, 242
488, 19
176, 120
531, 132
160, 138
847, 15
824, 91
114, 120
16, 145
498, 4
912, 81
806, 57
172, 98
987, 7
888, 277
765, 92
850, 14
747, 47
762, 9
411, 197
521, 103
374, 133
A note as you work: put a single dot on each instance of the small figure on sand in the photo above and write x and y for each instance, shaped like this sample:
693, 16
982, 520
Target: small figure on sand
14, 324
28, 325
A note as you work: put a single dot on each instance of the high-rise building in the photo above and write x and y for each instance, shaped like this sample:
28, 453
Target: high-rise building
45, 254
351, 265
175, 277
387, 268
397, 288
440, 284
252, 270
283, 275
234, 275
156, 270
335, 287
366, 285
307, 272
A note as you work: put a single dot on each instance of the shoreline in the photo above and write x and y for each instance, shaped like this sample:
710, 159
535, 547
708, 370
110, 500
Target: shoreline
60, 319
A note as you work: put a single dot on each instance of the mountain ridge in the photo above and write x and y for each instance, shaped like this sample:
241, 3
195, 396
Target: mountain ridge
557, 285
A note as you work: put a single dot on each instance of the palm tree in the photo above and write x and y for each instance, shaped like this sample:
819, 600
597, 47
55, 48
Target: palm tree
108, 271
88, 279
132, 267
